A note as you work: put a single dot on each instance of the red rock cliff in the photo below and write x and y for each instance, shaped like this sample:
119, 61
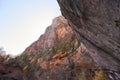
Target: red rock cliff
59, 32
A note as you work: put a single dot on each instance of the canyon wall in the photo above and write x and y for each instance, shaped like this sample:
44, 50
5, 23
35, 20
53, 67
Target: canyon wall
58, 33
97, 25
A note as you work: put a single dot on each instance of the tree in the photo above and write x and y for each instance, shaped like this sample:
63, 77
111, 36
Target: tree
2, 52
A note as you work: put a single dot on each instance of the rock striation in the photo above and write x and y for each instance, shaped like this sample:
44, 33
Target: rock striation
97, 25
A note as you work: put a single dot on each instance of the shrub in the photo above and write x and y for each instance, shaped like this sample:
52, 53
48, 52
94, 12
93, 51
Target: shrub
100, 76
82, 75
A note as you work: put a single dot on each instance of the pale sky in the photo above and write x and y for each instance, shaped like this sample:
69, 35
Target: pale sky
23, 21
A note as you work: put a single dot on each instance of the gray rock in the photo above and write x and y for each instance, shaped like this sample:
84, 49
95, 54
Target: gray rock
97, 25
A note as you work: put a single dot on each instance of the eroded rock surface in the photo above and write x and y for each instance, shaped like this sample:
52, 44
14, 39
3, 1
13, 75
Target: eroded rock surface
63, 58
57, 33
97, 25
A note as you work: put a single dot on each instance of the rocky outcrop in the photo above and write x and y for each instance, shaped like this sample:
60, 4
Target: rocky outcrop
67, 65
97, 25
10, 71
62, 57
59, 32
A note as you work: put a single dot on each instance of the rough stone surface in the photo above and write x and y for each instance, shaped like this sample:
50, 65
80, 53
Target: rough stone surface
97, 25
57, 33
66, 65
11, 72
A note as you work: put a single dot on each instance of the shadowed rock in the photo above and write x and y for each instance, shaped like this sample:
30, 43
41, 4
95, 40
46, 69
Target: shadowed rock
97, 25
11, 72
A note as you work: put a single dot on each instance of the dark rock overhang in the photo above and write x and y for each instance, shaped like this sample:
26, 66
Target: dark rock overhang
97, 24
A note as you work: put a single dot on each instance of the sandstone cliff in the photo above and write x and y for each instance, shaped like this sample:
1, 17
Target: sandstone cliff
58, 55
93, 54
59, 32
97, 24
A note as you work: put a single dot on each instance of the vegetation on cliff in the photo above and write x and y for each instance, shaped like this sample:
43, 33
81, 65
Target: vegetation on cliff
56, 55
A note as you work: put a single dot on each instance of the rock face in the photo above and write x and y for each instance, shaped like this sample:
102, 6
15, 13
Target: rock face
66, 65
97, 25
57, 33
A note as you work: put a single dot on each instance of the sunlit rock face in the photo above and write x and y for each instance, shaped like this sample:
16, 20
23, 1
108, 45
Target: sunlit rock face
57, 33
97, 24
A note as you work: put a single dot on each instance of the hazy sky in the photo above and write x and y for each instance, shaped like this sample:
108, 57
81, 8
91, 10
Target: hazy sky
23, 21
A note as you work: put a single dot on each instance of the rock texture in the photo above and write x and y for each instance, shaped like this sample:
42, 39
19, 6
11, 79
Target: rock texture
57, 33
10, 71
62, 57
97, 24
67, 65
57, 55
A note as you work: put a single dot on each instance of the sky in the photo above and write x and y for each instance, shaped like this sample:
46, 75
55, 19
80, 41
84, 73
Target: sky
23, 21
